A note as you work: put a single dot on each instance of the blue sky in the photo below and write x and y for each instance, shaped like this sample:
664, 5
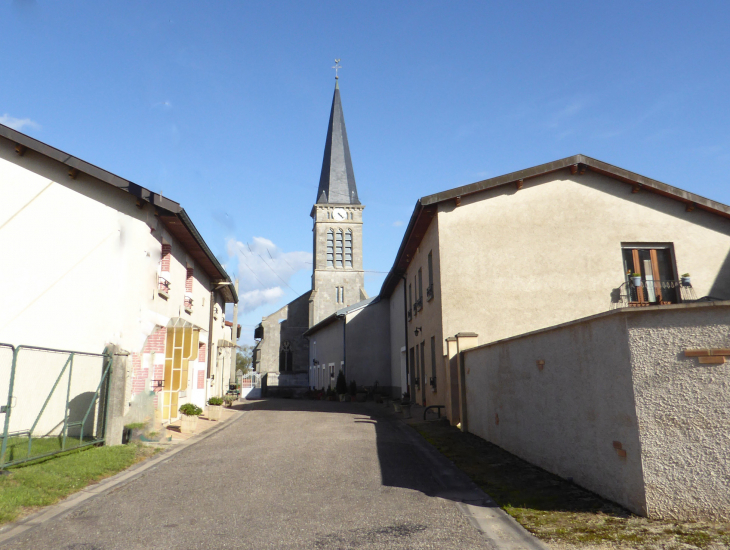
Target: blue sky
223, 106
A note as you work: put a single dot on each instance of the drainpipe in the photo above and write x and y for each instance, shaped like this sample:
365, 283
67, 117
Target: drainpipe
210, 332
344, 343
405, 321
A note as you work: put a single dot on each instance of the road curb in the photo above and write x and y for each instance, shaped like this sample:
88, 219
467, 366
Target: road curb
479, 509
12, 530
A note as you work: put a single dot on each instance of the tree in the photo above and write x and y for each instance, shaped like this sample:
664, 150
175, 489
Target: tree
244, 359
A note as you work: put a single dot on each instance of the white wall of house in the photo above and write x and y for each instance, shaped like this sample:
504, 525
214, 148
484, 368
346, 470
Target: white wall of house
85, 266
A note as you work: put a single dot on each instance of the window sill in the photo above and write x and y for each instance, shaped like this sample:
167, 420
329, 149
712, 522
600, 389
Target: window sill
163, 294
189, 310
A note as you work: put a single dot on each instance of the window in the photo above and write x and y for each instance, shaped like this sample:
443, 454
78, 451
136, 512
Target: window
285, 357
165, 261
338, 248
330, 248
433, 362
411, 366
410, 301
189, 280
420, 288
414, 364
658, 279
423, 373
340, 292
429, 290
348, 248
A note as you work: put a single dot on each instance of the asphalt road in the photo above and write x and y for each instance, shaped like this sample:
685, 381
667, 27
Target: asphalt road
285, 474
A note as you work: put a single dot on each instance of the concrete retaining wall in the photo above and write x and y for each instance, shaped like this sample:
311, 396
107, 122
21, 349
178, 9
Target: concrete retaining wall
611, 402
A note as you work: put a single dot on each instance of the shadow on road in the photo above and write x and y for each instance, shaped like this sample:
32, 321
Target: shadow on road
406, 460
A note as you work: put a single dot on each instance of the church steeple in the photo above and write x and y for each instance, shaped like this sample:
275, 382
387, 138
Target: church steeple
337, 180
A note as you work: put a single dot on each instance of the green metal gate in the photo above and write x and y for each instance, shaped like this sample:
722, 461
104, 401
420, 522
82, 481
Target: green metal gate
56, 401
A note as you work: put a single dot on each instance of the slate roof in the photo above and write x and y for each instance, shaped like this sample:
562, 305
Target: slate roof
337, 180
341, 313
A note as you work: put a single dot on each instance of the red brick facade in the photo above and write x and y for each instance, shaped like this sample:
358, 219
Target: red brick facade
155, 343
189, 280
165, 263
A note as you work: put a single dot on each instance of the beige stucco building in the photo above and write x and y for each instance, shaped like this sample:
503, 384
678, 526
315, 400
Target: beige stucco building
94, 260
548, 311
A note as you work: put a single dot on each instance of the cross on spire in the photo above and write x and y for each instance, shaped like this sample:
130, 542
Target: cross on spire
336, 67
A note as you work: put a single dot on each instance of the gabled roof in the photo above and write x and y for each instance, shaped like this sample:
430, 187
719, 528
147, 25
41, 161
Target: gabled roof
427, 207
337, 180
341, 313
170, 213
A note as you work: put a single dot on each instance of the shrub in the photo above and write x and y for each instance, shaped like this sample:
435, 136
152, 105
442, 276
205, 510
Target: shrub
353, 388
215, 401
406, 397
685, 274
229, 398
341, 384
190, 409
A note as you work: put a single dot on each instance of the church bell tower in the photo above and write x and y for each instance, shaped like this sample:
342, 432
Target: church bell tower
337, 279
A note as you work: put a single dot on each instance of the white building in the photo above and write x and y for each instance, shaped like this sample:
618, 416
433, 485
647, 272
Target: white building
91, 259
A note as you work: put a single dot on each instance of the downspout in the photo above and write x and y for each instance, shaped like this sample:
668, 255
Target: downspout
405, 322
210, 332
344, 343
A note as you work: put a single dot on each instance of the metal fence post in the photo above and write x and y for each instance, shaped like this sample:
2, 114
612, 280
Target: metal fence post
68, 396
8, 407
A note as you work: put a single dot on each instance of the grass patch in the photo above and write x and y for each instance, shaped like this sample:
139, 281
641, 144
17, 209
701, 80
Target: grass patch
30, 486
556, 510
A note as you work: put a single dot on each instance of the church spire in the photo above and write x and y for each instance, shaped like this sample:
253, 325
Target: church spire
337, 180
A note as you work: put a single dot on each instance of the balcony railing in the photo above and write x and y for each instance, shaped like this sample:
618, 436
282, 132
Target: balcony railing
188, 303
651, 293
163, 286
417, 305
429, 292
410, 315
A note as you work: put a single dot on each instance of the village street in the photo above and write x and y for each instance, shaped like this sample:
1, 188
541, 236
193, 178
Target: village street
283, 474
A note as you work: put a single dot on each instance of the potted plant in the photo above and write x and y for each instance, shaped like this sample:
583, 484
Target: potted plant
229, 398
331, 395
190, 413
686, 281
341, 386
635, 279
215, 407
406, 405
397, 405
353, 391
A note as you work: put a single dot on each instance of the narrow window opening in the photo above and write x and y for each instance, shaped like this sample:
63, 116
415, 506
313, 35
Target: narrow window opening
348, 248
338, 248
330, 248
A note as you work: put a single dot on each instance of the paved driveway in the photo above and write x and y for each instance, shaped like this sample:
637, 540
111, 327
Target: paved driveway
286, 474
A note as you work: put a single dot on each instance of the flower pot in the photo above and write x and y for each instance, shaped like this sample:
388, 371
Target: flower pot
361, 397
188, 424
397, 407
636, 281
388, 402
686, 281
343, 397
214, 412
406, 410
332, 398
353, 398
